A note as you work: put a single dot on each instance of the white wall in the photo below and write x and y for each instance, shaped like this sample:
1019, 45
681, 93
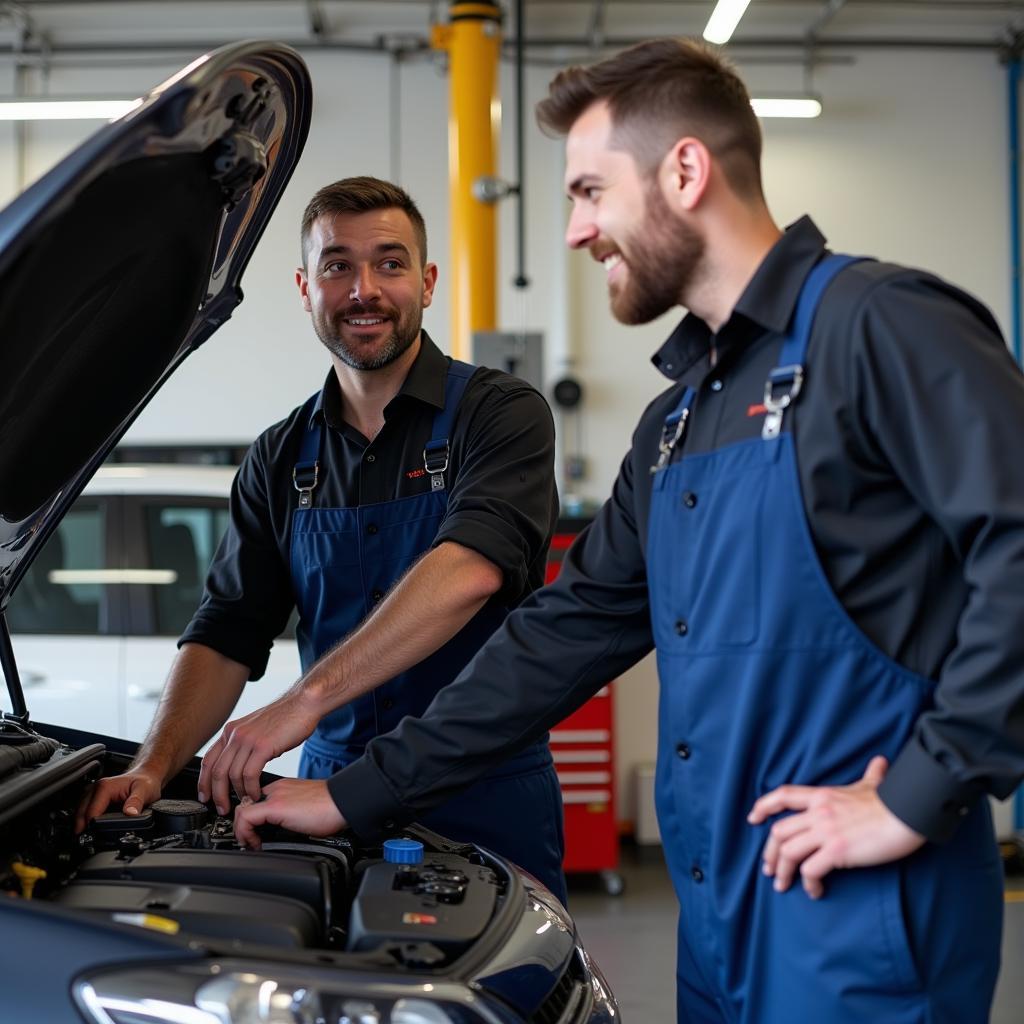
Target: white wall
908, 161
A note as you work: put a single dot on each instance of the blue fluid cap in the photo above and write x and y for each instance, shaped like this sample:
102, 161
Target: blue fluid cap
403, 851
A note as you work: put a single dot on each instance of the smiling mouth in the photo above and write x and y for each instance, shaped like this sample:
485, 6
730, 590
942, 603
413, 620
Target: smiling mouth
365, 321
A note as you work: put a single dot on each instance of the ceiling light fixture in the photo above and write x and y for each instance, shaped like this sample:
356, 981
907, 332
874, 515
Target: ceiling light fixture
791, 106
64, 110
724, 19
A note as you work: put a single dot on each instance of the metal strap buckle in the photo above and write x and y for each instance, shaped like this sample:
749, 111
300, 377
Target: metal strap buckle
305, 485
671, 432
791, 377
435, 462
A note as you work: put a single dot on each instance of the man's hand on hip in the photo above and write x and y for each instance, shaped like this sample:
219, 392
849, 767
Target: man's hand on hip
302, 805
242, 750
834, 827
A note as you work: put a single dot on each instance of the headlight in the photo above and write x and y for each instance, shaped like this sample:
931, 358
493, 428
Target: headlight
418, 1011
227, 993
252, 999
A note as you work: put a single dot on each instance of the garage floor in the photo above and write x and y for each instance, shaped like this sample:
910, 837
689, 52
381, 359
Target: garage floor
633, 938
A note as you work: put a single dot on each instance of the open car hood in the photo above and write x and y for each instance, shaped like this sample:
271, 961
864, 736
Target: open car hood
123, 259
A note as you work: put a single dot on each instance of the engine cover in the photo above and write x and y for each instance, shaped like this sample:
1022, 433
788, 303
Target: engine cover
446, 901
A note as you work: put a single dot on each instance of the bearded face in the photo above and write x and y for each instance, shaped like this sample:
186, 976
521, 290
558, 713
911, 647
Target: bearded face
661, 257
369, 337
365, 286
651, 251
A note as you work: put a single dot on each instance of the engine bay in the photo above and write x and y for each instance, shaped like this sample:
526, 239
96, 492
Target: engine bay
177, 869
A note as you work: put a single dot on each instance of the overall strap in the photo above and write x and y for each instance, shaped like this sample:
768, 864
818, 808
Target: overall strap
785, 381
435, 454
673, 429
307, 469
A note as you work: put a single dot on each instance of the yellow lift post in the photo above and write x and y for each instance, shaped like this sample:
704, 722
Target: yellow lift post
472, 40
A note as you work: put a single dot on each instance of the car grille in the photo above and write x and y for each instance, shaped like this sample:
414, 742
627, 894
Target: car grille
565, 1003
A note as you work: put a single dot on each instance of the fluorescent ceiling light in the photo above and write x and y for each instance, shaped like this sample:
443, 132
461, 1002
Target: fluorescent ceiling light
803, 106
64, 110
724, 19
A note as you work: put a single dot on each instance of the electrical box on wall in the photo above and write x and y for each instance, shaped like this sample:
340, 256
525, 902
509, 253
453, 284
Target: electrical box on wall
520, 353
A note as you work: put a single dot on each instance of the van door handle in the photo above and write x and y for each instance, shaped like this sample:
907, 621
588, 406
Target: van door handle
32, 678
138, 693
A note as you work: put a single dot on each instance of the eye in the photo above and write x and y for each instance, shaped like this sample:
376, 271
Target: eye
392, 265
584, 194
335, 266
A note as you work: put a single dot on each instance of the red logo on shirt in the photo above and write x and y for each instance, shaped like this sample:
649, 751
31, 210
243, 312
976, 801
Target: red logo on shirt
412, 918
756, 410
412, 474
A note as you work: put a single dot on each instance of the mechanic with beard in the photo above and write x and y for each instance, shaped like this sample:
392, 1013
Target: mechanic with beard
819, 531
404, 509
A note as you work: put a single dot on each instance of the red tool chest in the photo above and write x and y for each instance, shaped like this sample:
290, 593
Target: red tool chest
583, 746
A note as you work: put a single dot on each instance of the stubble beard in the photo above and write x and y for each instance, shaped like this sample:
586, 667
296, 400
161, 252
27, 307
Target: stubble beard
665, 255
404, 331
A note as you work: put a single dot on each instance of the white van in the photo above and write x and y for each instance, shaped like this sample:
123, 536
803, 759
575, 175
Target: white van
95, 620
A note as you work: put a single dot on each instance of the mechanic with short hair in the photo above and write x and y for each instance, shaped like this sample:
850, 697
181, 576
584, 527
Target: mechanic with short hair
404, 509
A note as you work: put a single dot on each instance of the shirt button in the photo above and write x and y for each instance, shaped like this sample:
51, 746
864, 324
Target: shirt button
690, 499
682, 628
371, 529
697, 875
377, 595
716, 385
387, 703
371, 457
683, 751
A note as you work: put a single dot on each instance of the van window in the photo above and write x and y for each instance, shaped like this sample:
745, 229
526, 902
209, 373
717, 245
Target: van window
181, 540
65, 590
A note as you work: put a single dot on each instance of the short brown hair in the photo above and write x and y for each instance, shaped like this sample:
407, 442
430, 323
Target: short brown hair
361, 195
657, 92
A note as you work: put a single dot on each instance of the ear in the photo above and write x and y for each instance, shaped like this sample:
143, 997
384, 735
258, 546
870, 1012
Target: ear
686, 172
429, 280
302, 280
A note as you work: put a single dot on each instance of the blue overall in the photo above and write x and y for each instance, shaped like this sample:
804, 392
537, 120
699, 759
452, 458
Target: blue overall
765, 680
343, 561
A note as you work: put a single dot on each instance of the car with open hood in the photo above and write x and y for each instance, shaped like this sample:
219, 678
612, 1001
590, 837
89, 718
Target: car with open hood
163, 917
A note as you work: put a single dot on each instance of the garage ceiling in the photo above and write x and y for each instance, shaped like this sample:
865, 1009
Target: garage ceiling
555, 28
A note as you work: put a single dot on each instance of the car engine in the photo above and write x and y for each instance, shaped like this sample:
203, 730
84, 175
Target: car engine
177, 868
164, 917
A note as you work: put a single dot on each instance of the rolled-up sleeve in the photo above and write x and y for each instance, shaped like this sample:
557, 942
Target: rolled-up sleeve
502, 502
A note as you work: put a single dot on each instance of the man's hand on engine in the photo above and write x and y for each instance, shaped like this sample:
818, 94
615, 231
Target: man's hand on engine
302, 805
245, 746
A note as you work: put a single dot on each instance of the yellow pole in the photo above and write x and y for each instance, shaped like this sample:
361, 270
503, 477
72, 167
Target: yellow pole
472, 39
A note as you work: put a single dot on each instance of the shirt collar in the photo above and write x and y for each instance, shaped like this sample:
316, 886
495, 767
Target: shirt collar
426, 377
424, 381
767, 303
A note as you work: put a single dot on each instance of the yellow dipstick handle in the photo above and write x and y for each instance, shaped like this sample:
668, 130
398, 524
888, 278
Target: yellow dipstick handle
28, 876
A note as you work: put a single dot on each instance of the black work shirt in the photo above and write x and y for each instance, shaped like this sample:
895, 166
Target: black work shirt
502, 501
905, 433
